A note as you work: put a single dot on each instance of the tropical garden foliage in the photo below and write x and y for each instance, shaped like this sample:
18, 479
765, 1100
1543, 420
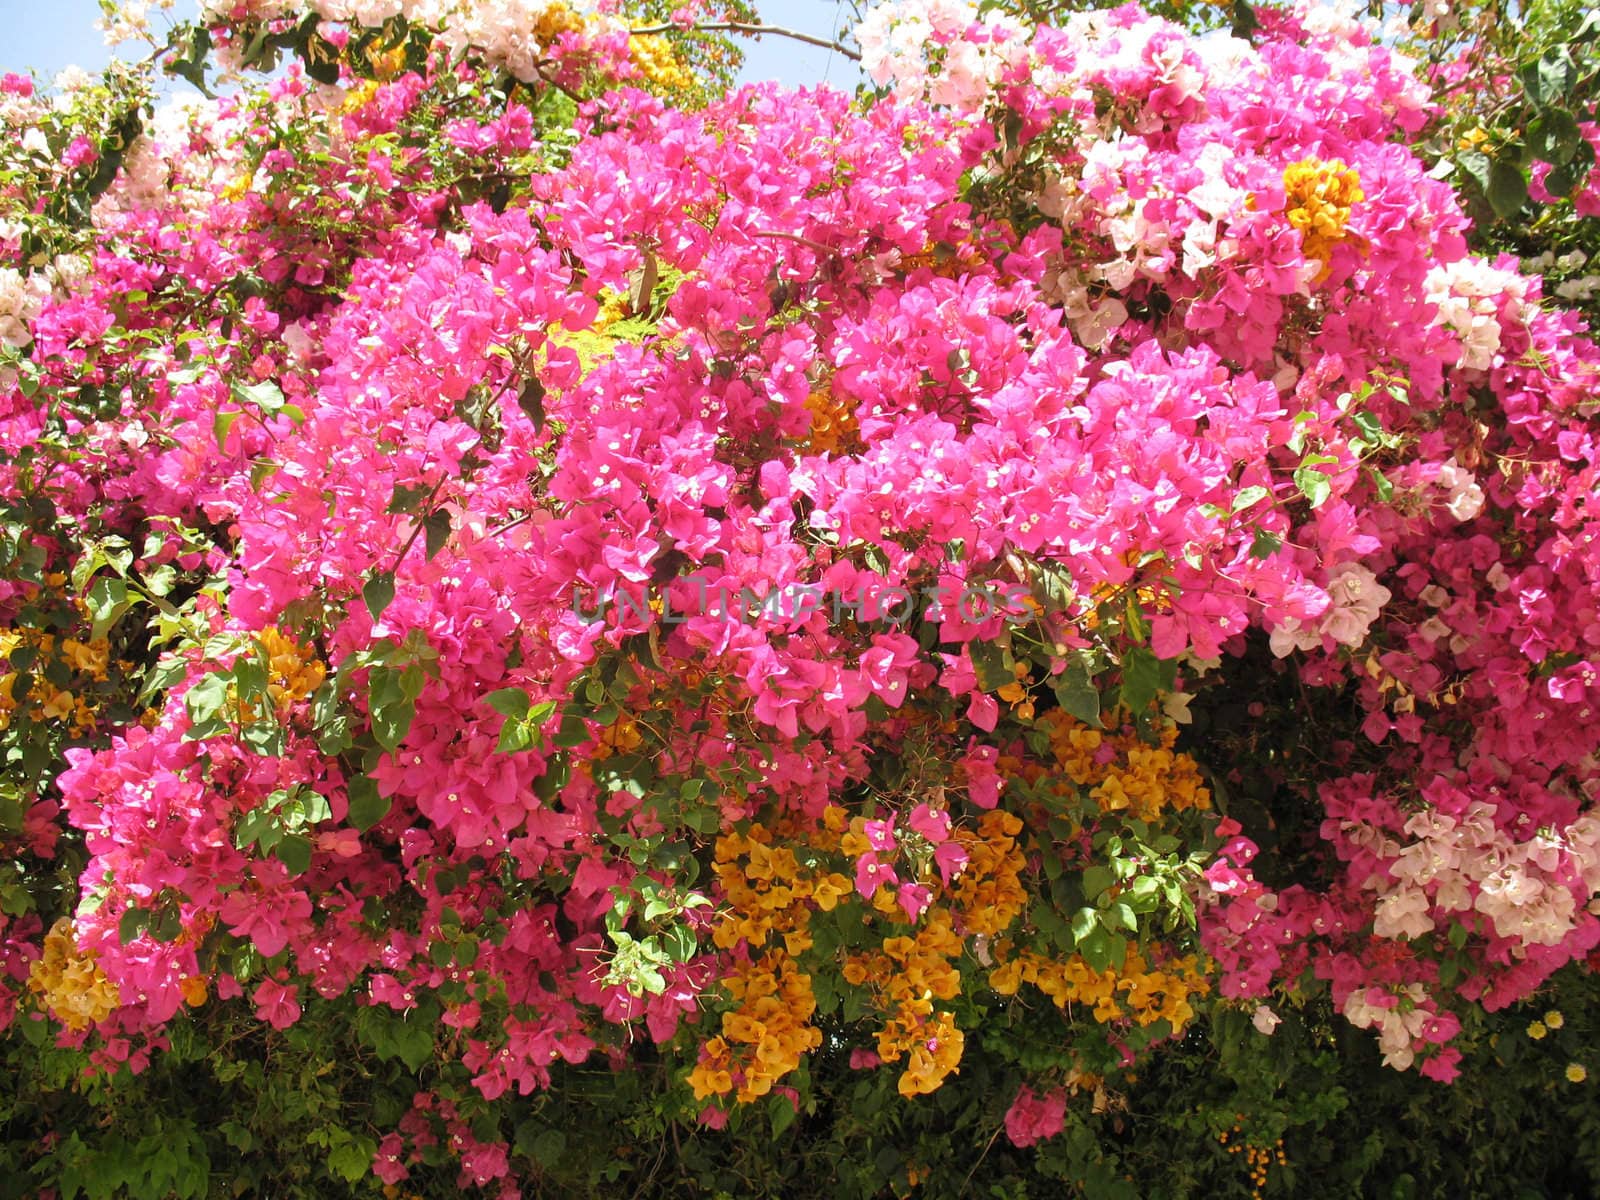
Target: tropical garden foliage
571, 629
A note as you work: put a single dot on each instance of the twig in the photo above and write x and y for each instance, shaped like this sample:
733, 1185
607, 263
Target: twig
793, 237
755, 30
987, 1147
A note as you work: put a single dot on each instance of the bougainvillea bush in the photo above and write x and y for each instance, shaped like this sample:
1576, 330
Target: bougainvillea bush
571, 629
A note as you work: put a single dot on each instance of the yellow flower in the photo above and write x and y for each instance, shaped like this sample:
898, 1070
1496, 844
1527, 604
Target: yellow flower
1536, 1030
1318, 197
1576, 1073
1554, 1020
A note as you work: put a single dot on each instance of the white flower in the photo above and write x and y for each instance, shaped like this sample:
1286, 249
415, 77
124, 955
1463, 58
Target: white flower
1465, 499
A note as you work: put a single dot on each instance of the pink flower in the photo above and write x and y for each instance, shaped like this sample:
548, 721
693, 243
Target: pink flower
277, 1004
880, 834
914, 898
1443, 1066
933, 824
1033, 1118
871, 874
950, 859
79, 152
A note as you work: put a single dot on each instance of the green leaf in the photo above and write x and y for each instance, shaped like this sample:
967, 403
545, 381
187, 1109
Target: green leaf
782, 1112
1123, 915
1314, 485
515, 736
107, 600
167, 925
509, 702
160, 580
391, 707
221, 424
1560, 182
1381, 484
991, 664
1249, 496
207, 698
351, 1160
1475, 165
1265, 545
1076, 693
264, 395
1549, 78
378, 592
1141, 678
249, 828
680, 943
132, 924
1084, 924
367, 804
1099, 947
1508, 188
436, 531
1096, 879
321, 59
294, 852
1554, 136
531, 401
406, 497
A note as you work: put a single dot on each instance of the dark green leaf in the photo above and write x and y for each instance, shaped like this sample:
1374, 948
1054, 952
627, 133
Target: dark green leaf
378, 592
1554, 136
991, 664
294, 852
1076, 693
436, 531
1266, 544
531, 401
132, 924
509, 702
1141, 678
1096, 879
406, 497
1475, 166
1549, 78
1508, 188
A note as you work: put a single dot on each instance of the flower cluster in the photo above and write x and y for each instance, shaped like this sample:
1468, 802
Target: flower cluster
1318, 197
370, 387
69, 984
765, 1036
51, 695
908, 974
1123, 773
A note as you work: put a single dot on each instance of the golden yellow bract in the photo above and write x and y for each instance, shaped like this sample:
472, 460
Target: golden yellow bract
68, 981
1318, 197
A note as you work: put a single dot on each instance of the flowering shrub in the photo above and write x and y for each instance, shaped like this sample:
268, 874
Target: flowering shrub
805, 612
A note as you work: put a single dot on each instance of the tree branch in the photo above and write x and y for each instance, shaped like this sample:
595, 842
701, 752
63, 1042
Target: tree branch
754, 30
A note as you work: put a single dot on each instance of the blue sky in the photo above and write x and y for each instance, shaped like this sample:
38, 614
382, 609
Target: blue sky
50, 34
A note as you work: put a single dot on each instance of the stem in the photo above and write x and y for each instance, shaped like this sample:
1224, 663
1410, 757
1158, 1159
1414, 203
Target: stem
793, 237
755, 30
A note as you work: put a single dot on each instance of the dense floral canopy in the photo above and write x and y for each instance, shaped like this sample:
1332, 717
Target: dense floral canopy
519, 554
